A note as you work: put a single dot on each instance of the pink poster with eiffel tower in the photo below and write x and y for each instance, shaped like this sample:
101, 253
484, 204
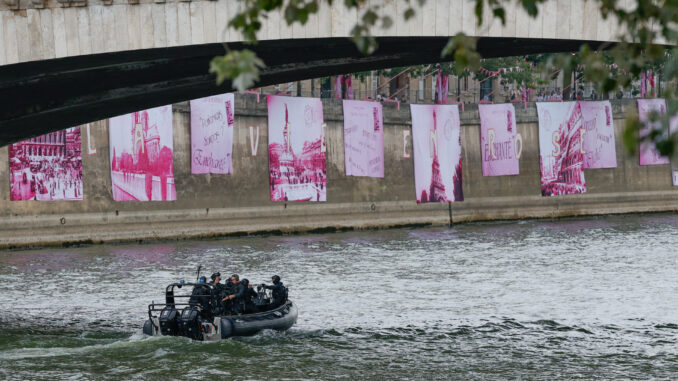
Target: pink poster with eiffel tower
648, 152
296, 149
560, 148
598, 129
363, 139
212, 134
141, 153
499, 142
437, 153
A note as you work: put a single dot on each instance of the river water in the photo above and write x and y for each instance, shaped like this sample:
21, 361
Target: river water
549, 299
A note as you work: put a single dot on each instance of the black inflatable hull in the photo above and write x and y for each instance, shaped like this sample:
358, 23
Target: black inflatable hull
223, 327
279, 319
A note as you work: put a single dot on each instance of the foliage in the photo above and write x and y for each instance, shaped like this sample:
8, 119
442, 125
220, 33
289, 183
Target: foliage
610, 67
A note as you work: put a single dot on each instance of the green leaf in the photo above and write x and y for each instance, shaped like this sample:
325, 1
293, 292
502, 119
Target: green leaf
240, 67
409, 13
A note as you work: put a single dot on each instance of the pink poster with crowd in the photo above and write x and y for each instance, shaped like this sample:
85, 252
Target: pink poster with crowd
599, 143
363, 138
212, 120
437, 153
648, 152
47, 168
296, 149
560, 148
141, 153
499, 141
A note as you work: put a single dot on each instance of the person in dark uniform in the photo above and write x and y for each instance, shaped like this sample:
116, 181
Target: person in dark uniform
201, 297
249, 294
279, 292
218, 292
237, 297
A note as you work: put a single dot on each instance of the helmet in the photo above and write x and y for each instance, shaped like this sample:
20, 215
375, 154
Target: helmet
245, 282
215, 275
203, 279
275, 279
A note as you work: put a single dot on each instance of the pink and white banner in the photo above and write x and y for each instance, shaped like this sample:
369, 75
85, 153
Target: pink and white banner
673, 130
599, 143
296, 149
363, 138
141, 152
648, 152
560, 148
212, 121
437, 153
47, 168
499, 142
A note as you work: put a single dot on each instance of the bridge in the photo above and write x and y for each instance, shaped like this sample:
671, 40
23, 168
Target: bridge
67, 62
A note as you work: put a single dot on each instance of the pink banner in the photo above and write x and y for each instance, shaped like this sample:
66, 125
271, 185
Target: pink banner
296, 149
141, 152
673, 130
499, 142
437, 153
648, 152
599, 143
47, 168
560, 147
363, 139
212, 120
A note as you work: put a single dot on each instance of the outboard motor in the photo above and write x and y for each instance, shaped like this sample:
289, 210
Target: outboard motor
169, 326
191, 323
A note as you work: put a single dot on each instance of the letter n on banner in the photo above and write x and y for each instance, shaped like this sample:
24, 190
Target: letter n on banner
406, 138
254, 141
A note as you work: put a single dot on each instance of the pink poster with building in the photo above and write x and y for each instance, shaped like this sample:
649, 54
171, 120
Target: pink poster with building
648, 152
212, 121
437, 153
296, 149
560, 148
499, 141
598, 130
363, 138
47, 168
141, 152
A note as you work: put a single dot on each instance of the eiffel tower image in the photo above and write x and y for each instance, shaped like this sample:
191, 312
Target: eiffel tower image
437, 189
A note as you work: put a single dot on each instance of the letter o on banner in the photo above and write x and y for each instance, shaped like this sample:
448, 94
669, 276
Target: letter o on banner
518, 145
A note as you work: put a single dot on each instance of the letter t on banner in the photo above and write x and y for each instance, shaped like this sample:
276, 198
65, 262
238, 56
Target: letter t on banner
406, 136
254, 142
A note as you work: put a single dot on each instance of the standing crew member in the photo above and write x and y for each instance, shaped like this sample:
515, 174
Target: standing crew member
238, 294
279, 291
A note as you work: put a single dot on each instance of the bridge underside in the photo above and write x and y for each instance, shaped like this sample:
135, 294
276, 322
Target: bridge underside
43, 96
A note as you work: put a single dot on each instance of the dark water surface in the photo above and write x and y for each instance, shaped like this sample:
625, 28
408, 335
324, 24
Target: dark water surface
567, 299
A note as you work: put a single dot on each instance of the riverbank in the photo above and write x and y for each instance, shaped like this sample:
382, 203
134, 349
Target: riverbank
238, 204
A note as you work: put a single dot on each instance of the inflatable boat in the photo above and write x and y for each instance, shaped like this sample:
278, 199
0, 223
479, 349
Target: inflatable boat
206, 323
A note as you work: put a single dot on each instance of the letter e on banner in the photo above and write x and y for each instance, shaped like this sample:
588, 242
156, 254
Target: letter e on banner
406, 135
254, 141
556, 143
91, 146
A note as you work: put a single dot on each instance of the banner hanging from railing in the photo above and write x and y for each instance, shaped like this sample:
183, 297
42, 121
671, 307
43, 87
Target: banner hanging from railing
47, 167
212, 121
500, 143
437, 153
363, 138
142, 155
598, 139
296, 149
560, 148
648, 152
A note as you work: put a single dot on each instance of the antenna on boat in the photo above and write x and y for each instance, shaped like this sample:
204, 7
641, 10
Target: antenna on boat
197, 277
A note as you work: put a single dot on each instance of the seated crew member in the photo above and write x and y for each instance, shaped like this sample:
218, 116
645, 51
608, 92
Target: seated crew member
201, 297
279, 291
217, 291
248, 295
226, 302
238, 294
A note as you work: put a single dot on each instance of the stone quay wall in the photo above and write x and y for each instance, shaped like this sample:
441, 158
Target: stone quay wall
216, 205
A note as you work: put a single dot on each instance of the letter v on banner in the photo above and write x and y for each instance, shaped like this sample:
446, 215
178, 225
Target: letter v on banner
254, 141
